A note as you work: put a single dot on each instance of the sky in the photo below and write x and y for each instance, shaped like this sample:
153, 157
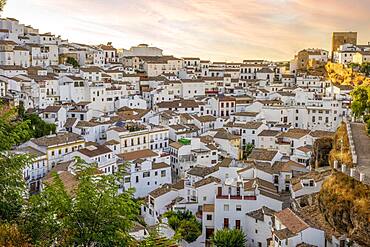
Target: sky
222, 30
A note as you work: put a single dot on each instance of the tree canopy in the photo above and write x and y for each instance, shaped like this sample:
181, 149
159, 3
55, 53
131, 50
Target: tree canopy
91, 214
94, 214
12, 131
360, 101
73, 62
229, 238
351, 75
185, 225
17, 126
248, 150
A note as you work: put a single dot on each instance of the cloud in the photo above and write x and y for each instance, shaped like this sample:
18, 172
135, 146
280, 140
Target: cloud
222, 30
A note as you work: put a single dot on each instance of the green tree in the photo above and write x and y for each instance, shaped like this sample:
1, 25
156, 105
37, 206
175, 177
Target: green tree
12, 185
12, 131
360, 100
93, 214
176, 217
46, 216
73, 62
37, 126
353, 65
365, 68
229, 238
16, 126
184, 224
248, 150
190, 230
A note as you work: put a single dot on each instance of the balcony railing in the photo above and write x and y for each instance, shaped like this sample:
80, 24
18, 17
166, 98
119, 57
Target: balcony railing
235, 197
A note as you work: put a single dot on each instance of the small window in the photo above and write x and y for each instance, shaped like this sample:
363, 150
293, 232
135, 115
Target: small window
226, 207
209, 216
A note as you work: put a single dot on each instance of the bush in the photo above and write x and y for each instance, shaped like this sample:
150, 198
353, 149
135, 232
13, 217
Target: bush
229, 238
184, 224
190, 230
73, 62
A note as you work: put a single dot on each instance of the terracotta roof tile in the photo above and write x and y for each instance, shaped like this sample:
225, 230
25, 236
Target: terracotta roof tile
291, 221
140, 154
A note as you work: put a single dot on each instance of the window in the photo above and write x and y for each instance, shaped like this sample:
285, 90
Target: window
237, 224
226, 207
163, 173
204, 198
226, 222
209, 216
146, 174
238, 208
127, 179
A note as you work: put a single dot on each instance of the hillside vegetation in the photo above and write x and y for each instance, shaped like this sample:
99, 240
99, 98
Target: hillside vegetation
341, 150
342, 75
345, 204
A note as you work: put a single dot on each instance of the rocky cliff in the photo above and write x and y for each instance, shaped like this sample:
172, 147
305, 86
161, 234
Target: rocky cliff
345, 204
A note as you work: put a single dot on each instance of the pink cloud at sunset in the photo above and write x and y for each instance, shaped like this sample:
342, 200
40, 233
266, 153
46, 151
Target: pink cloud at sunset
223, 30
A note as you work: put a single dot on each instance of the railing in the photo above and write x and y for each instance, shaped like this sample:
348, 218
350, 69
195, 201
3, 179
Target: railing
234, 197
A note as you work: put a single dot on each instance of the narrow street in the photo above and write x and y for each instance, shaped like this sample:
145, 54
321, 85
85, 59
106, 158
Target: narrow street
362, 146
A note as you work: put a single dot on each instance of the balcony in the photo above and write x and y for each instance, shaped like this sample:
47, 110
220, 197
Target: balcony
235, 197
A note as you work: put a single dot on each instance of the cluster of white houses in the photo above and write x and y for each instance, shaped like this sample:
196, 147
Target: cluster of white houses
182, 127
